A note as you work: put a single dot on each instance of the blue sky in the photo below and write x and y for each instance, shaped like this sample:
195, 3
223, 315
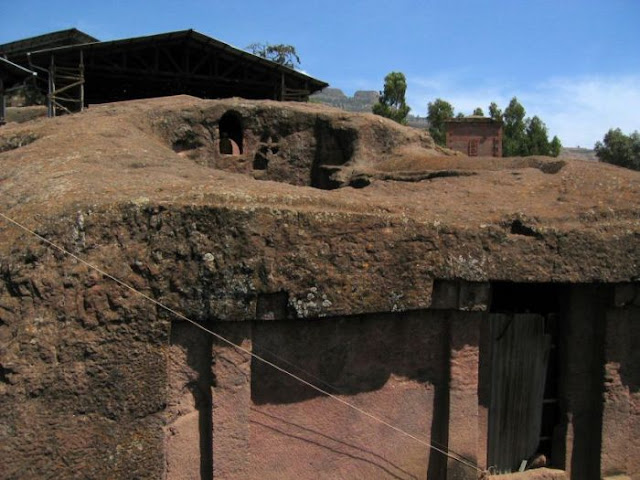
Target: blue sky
576, 64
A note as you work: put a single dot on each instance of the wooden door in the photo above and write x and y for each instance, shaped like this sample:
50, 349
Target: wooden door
519, 357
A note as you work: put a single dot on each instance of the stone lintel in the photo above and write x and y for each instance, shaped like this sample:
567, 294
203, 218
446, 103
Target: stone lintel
461, 295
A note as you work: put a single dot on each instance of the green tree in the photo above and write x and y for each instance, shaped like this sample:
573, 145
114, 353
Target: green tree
391, 103
555, 146
514, 142
537, 138
523, 136
478, 111
283, 54
620, 149
438, 112
495, 112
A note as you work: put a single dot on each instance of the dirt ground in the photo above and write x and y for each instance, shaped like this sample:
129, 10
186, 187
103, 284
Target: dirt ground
113, 153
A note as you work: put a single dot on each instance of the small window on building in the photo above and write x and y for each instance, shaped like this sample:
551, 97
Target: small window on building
473, 147
230, 129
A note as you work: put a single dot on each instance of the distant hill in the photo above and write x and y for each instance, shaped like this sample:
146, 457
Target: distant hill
362, 101
577, 152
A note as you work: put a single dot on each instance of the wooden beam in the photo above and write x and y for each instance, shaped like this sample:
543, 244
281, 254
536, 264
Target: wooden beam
168, 55
51, 109
198, 66
68, 87
156, 59
227, 72
282, 85
3, 105
140, 60
81, 80
139, 74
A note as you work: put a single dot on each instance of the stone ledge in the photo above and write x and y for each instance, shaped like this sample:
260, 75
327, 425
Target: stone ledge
535, 474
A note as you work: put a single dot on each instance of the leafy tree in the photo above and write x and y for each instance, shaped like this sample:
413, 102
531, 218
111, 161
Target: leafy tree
620, 149
391, 103
495, 112
537, 139
283, 54
523, 136
438, 112
459, 115
555, 146
514, 140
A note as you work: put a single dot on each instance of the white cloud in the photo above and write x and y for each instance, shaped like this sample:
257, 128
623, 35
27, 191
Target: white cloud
579, 110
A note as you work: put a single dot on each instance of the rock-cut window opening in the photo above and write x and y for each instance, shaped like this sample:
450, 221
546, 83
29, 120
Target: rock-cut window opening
231, 135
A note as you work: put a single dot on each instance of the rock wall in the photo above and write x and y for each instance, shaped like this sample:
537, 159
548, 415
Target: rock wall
621, 409
293, 146
383, 292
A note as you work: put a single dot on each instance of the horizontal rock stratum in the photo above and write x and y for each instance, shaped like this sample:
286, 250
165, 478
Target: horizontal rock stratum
344, 247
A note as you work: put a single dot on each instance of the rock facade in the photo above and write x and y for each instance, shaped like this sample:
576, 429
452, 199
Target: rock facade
379, 284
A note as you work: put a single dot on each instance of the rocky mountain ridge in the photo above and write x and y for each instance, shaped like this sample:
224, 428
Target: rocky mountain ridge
361, 102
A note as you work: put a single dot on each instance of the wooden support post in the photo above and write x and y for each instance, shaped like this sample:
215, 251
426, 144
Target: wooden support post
282, 86
156, 59
2, 104
51, 109
81, 80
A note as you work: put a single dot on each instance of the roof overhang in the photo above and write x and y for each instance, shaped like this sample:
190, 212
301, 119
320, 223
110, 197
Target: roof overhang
200, 46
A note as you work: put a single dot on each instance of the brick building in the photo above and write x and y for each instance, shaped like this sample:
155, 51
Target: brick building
475, 136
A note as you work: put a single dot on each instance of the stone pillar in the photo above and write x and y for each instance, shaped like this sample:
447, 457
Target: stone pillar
463, 392
620, 451
484, 391
231, 401
188, 429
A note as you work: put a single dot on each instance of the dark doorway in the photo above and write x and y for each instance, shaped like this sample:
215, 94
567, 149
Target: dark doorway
231, 138
523, 407
473, 147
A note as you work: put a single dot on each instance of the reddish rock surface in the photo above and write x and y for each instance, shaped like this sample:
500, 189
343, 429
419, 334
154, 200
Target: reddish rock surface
96, 383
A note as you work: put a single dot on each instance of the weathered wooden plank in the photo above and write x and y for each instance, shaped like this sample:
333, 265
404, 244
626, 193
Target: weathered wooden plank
520, 351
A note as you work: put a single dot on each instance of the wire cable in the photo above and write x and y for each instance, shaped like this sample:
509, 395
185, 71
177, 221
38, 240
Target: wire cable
242, 349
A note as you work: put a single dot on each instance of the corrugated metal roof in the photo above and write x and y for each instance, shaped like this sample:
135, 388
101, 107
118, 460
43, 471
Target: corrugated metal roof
180, 34
71, 36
